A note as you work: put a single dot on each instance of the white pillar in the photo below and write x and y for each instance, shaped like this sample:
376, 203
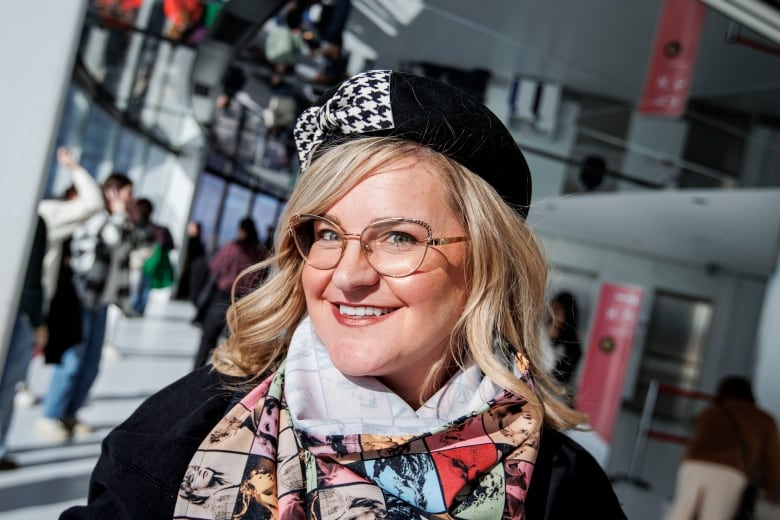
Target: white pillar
650, 141
766, 385
37, 50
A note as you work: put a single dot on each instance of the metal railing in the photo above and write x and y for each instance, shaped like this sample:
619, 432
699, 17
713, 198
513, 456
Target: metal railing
647, 432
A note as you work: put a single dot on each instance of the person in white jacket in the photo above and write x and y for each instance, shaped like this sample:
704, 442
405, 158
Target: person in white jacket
98, 250
63, 216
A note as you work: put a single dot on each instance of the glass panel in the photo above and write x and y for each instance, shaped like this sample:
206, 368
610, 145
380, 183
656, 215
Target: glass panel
154, 177
98, 137
236, 207
147, 48
206, 206
144, 77
264, 213
75, 110
125, 150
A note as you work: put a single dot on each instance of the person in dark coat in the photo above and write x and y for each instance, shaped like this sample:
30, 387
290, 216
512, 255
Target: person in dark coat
189, 281
390, 362
224, 267
563, 332
129, 482
28, 335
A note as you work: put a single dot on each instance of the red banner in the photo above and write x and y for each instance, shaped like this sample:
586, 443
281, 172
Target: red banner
606, 357
671, 63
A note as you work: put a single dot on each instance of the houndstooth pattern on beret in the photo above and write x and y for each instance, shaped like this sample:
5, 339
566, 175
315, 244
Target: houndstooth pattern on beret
361, 104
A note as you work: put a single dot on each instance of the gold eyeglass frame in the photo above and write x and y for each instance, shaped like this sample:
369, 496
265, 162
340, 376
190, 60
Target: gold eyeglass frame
366, 248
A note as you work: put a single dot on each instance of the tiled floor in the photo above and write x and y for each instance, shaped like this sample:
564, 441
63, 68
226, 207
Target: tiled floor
146, 354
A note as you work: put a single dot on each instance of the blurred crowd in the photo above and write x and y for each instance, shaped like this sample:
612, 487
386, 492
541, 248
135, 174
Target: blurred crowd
95, 247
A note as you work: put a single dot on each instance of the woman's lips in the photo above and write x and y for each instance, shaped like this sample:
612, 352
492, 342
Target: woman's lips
353, 315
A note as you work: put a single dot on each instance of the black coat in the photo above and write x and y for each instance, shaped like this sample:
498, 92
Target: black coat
64, 319
144, 459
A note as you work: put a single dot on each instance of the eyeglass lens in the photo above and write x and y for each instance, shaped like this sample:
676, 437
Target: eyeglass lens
393, 247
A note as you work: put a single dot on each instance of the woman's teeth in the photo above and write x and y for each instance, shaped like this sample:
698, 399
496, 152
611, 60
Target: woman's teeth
363, 311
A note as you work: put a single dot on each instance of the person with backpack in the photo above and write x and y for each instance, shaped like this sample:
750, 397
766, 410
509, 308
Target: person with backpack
99, 259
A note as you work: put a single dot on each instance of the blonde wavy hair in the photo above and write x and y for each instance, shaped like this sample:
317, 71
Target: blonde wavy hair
506, 272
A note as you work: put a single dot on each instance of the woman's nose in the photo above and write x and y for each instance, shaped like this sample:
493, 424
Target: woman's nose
354, 270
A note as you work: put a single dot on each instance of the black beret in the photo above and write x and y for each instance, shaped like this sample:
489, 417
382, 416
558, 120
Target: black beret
424, 110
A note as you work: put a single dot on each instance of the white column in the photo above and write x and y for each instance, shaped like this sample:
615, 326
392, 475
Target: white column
37, 50
766, 384
650, 141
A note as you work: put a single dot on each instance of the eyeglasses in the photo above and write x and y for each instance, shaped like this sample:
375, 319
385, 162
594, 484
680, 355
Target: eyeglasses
394, 247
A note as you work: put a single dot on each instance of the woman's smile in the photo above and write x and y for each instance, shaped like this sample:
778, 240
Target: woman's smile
391, 328
363, 310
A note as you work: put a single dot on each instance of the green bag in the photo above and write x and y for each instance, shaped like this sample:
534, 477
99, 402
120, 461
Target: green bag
158, 268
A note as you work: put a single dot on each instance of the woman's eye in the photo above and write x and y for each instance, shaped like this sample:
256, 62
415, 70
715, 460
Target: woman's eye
400, 238
327, 235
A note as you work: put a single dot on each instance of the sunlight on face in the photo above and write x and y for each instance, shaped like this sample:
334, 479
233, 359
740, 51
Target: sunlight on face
390, 328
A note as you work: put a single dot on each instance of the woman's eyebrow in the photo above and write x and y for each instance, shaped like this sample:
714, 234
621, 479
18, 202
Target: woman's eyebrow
330, 217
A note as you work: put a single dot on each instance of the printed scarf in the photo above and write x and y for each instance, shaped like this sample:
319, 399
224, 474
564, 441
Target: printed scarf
270, 457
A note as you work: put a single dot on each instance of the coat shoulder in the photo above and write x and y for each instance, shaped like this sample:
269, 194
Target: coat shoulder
568, 482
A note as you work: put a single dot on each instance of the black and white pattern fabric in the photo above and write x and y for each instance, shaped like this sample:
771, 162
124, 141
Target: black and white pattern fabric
100, 260
360, 105
437, 115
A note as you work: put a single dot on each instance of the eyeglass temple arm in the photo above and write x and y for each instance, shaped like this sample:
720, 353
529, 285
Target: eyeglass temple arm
445, 241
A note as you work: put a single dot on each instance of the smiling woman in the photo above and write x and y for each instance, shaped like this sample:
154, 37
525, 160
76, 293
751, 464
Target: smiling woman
411, 332
393, 352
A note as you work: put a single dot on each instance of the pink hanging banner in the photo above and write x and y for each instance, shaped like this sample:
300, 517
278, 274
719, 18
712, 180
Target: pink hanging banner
669, 76
609, 344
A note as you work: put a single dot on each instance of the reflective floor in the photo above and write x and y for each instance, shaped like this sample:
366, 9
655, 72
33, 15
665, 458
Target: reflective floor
142, 355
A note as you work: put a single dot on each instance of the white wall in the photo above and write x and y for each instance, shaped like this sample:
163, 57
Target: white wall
744, 327
37, 48
729, 348
767, 360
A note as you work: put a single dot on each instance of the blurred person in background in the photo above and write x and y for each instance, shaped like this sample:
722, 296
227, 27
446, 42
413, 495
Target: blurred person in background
158, 267
734, 444
143, 238
63, 215
564, 338
184, 18
232, 258
61, 309
100, 250
118, 17
326, 63
268, 241
150, 257
194, 252
29, 334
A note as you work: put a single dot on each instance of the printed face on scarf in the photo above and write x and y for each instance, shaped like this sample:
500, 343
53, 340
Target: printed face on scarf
198, 477
509, 424
412, 317
262, 484
365, 509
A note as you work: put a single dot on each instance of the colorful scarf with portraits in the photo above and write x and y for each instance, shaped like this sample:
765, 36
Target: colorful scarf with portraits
268, 458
